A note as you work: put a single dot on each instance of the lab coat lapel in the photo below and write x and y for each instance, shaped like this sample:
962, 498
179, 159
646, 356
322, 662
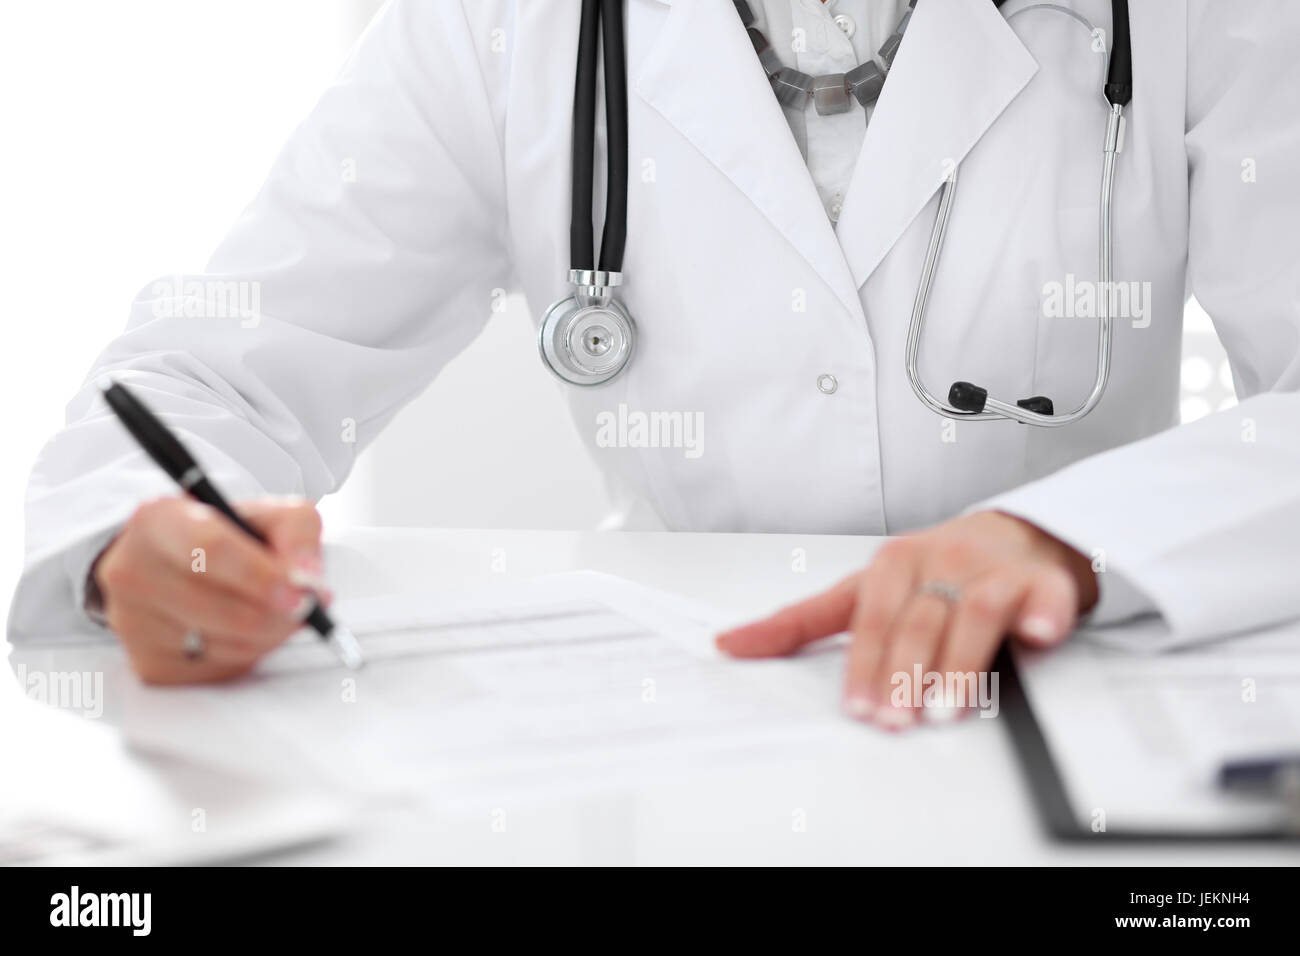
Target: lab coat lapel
959, 67
705, 79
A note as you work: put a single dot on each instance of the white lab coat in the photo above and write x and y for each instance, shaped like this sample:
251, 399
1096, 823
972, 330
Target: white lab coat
434, 173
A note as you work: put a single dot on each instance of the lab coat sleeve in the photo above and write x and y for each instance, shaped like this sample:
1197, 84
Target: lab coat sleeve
1205, 519
371, 256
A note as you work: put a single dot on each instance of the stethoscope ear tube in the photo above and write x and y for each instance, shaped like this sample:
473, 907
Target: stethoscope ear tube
1119, 77
607, 15
582, 164
970, 402
614, 238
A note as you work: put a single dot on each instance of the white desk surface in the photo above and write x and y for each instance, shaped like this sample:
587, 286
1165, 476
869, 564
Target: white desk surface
951, 794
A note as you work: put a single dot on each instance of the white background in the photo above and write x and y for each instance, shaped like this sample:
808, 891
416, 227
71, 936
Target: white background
134, 131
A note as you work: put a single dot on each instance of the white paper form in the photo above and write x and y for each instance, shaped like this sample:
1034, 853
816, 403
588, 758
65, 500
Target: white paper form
1140, 737
557, 679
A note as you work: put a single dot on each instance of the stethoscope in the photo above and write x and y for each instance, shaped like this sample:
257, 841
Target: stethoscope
588, 338
970, 402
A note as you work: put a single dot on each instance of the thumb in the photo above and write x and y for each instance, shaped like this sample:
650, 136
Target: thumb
1050, 608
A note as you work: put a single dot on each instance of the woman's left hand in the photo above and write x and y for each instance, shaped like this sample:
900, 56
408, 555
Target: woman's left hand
941, 600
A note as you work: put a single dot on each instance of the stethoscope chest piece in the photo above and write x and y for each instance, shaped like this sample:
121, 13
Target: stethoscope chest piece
587, 338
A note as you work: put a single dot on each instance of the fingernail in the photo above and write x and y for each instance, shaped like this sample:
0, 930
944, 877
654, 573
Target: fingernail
894, 718
721, 641
308, 561
285, 598
303, 607
1039, 628
292, 603
306, 580
858, 706
307, 571
939, 713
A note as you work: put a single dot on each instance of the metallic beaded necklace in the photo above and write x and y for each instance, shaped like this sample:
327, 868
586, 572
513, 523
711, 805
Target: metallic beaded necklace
829, 93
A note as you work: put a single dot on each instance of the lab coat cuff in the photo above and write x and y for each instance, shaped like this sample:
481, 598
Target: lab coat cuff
49, 601
1119, 599
78, 562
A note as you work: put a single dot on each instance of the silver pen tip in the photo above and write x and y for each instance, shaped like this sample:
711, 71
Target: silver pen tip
345, 645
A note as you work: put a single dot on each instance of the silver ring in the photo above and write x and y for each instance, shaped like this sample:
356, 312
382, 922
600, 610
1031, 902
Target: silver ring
943, 590
193, 645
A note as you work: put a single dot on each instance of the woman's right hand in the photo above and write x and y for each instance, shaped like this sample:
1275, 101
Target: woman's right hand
180, 569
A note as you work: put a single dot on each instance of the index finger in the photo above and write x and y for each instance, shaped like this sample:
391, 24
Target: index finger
791, 628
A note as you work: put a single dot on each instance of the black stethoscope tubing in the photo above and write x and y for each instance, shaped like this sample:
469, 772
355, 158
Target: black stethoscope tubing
607, 15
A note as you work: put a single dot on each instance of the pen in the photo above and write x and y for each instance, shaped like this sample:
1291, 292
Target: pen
170, 455
1267, 775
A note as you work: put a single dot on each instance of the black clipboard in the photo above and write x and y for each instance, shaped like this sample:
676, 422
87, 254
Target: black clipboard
1051, 796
